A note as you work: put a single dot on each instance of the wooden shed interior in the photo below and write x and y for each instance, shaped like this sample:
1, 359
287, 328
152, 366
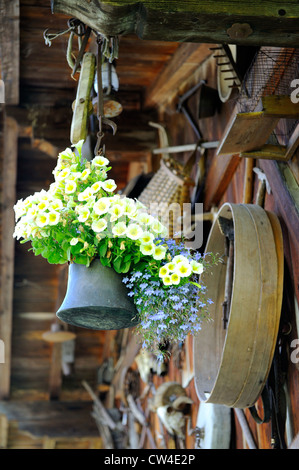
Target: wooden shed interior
88, 391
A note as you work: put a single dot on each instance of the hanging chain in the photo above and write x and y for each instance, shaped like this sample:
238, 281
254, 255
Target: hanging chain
105, 48
74, 25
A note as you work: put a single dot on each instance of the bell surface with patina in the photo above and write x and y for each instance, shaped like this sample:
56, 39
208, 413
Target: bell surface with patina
96, 298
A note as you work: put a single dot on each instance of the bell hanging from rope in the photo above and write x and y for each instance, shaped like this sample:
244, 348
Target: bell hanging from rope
96, 298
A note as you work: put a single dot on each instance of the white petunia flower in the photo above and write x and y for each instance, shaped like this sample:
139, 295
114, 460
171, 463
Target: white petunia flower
164, 271
100, 161
167, 280
99, 225
179, 258
43, 205
147, 249
147, 237
56, 205
197, 268
85, 195
96, 186
102, 206
119, 229
32, 212
66, 154
74, 176
159, 252
143, 218
74, 241
70, 187
170, 266
84, 214
183, 269
62, 175
116, 212
85, 173
109, 185
42, 219
175, 279
134, 231
54, 218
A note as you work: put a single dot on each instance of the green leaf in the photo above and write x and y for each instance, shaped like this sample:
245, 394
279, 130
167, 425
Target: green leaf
80, 259
117, 265
103, 248
196, 284
125, 267
105, 261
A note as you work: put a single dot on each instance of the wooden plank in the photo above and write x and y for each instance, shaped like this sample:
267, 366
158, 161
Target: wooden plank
266, 23
10, 49
281, 106
8, 163
184, 62
218, 178
268, 151
246, 131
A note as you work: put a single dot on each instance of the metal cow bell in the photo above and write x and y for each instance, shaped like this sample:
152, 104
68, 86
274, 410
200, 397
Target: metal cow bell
96, 298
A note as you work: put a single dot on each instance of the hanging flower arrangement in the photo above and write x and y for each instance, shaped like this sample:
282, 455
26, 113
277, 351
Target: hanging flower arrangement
81, 218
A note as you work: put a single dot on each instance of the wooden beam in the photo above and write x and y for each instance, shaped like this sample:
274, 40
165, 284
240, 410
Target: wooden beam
184, 62
285, 190
52, 419
10, 49
8, 164
252, 23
